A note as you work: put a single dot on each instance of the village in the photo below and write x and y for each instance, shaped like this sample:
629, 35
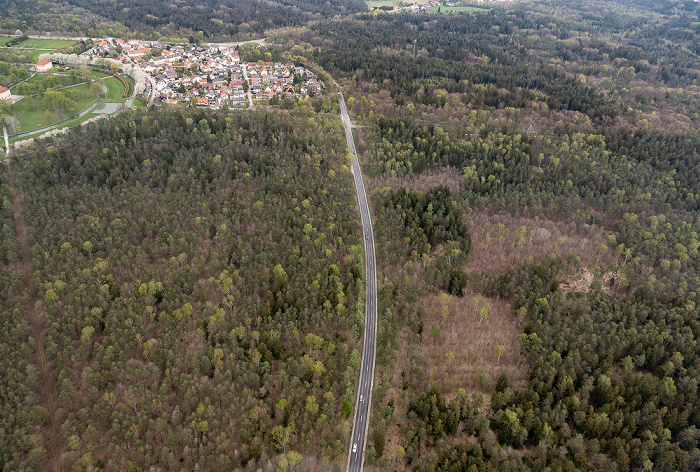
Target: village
115, 74
211, 76
435, 6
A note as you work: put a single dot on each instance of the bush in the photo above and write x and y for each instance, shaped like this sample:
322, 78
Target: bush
16, 41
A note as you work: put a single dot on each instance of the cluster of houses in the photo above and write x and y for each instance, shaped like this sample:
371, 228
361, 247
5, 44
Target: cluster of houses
103, 48
211, 76
205, 76
133, 50
423, 6
268, 80
413, 7
214, 76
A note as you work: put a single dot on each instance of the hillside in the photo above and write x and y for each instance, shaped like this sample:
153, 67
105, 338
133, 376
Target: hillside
196, 20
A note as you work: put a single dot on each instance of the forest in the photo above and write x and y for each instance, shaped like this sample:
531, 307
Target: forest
566, 336
198, 20
533, 177
198, 280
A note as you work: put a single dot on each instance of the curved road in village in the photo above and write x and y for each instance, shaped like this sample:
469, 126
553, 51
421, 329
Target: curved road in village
249, 93
364, 392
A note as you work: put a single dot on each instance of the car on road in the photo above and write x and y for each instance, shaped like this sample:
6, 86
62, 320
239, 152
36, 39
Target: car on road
354, 448
366, 237
361, 398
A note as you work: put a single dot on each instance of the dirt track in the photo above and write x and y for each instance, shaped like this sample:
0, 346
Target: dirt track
38, 332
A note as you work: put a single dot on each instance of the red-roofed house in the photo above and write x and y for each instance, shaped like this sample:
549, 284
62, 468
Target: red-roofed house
43, 65
4, 93
138, 52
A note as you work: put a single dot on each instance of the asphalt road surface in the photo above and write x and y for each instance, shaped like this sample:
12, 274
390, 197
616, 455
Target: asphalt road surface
249, 93
364, 392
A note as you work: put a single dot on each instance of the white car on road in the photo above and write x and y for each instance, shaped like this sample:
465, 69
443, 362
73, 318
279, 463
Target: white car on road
354, 448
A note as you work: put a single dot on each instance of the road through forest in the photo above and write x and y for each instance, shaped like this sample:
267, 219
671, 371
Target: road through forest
362, 406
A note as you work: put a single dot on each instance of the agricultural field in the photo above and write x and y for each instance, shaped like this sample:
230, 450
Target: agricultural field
379, 3
458, 9
49, 44
32, 48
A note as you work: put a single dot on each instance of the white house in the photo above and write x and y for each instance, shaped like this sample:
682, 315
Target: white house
43, 65
4, 93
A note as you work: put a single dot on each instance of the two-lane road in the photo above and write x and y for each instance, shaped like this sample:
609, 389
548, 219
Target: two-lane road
364, 392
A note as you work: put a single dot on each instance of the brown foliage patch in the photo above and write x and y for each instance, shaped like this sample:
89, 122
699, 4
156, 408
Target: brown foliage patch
425, 181
463, 356
502, 242
472, 339
580, 283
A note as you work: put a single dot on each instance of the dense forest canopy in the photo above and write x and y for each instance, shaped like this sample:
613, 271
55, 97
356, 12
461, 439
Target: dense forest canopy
200, 19
192, 262
533, 177
566, 134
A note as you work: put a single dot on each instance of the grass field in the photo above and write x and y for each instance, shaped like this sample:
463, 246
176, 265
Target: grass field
138, 103
34, 47
115, 89
35, 119
70, 124
41, 76
380, 3
32, 80
457, 9
33, 53
45, 43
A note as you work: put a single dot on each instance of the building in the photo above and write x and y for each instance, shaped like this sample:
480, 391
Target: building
44, 65
4, 93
